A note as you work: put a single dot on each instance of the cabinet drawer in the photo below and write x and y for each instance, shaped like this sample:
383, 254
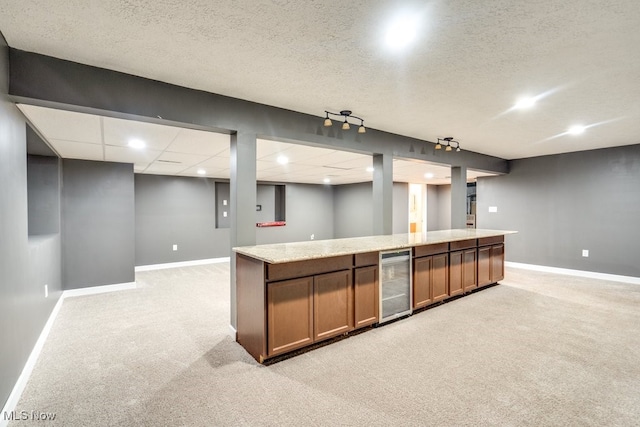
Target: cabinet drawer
369, 258
292, 270
463, 244
426, 250
494, 240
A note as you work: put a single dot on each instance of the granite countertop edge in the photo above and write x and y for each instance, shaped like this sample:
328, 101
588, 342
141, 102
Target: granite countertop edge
315, 249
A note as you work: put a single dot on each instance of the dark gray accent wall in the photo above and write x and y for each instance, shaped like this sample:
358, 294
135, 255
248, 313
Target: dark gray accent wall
43, 189
400, 207
25, 264
309, 210
177, 210
266, 198
353, 210
98, 226
565, 203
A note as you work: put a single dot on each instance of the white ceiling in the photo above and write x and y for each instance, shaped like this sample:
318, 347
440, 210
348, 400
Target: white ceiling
469, 63
182, 152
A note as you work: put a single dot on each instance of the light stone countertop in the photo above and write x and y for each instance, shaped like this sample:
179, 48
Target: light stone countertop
299, 251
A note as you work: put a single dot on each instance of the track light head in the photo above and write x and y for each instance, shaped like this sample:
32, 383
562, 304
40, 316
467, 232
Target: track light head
449, 144
346, 114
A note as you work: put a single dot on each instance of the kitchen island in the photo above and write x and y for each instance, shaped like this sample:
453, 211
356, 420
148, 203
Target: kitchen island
292, 295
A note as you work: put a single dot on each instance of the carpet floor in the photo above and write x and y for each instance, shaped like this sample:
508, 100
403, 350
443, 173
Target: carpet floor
537, 350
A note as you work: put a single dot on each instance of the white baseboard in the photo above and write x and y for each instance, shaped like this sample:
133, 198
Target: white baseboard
98, 289
578, 273
234, 333
18, 388
151, 267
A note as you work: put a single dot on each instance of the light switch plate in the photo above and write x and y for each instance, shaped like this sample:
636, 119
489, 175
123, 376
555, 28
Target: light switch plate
493, 209
585, 253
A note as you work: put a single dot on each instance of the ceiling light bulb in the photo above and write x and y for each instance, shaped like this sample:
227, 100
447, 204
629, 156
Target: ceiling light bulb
448, 148
576, 130
345, 125
401, 32
370, 169
283, 160
202, 172
525, 103
428, 175
326, 180
136, 143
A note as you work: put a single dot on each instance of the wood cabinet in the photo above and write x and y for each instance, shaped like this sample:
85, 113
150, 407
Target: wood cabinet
430, 279
490, 260
332, 304
365, 296
290, 314
463, 267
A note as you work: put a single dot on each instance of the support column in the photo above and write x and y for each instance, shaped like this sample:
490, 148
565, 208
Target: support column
382, 194
458, 197
243, 202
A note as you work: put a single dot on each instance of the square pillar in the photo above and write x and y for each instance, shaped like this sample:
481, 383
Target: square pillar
458, 197
243, 200
382, 194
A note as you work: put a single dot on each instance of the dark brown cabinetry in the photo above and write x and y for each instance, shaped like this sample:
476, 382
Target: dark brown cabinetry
490, 260
462, 267
430, 274
332, 304
290, 314
365, 288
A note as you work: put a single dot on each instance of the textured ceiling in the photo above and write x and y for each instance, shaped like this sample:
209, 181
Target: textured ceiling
469, 63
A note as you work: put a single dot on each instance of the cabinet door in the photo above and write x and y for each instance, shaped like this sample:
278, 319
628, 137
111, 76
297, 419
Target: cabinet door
497, 263
366, 292
469, 267
440, 277
484, 265
455, 273
332, 304
290, 314
422, 271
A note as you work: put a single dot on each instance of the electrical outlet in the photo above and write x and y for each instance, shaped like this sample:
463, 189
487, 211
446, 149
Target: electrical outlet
224, 203
175, 247
585, 253
46, 291
313, 236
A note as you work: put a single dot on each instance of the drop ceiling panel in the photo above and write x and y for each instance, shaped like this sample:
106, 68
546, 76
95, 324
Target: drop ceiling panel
199, 142
210, 172
130, 155
77, 150
164, 168
217, 162
186, 160
119, 132
64, 125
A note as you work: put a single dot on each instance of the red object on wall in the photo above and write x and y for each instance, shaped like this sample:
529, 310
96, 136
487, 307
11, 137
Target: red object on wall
271, 224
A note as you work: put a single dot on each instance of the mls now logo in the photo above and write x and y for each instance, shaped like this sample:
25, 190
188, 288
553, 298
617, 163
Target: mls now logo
29, 416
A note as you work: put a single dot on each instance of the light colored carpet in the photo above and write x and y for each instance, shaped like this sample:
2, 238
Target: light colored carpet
537, 350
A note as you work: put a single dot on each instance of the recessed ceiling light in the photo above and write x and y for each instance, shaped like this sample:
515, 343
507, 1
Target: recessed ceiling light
202, 172
326, 180
283, 160
428, 175
576, 130
401, 32
136, 143
370, 169
525, 103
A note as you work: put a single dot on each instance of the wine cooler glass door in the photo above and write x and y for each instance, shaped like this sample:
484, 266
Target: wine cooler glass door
395, 284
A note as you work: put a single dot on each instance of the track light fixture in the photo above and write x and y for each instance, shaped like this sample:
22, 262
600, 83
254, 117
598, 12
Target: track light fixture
345, 124
449, 144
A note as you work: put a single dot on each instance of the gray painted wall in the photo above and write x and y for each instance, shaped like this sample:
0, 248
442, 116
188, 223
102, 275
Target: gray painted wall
176, 210
309, 210
565, 203
43, 192
24, 263
353, 209
432, 208
98, 225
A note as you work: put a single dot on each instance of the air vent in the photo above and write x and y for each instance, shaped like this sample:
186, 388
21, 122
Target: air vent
168, 161
334, 167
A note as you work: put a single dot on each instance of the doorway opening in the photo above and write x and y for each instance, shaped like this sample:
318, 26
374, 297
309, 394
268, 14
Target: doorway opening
417, 208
